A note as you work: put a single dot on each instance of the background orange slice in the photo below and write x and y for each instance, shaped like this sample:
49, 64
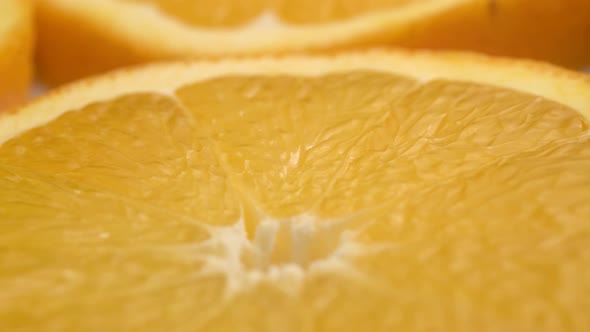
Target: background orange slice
16, 51
83, 38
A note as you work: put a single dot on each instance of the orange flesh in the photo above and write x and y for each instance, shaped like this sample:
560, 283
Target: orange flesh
468, 204
233, 13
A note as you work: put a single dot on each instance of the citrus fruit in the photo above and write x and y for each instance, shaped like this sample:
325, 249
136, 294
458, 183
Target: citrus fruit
377, 191
81, 38
16, 38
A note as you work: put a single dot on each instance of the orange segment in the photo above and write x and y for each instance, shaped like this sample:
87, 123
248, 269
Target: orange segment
16, 44
311, 127
112, 157
256, 196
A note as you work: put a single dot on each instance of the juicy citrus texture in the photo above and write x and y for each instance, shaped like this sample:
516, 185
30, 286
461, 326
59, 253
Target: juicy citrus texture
77, 39
355, 200
15, 51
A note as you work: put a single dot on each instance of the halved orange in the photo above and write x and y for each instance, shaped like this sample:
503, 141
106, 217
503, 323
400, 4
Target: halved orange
81, 38
16, 48
380, 191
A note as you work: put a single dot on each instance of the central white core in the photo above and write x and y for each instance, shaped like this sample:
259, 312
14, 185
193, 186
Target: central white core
282, 251
295, 241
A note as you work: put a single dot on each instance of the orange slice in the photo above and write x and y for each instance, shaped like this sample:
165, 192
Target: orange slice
380, 191
16, 39
81, 38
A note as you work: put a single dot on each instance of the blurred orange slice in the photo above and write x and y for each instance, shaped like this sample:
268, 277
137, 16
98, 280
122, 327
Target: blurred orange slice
80, 38
16, 39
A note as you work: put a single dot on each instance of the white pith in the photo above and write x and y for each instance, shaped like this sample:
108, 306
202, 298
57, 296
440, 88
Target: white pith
230, 245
